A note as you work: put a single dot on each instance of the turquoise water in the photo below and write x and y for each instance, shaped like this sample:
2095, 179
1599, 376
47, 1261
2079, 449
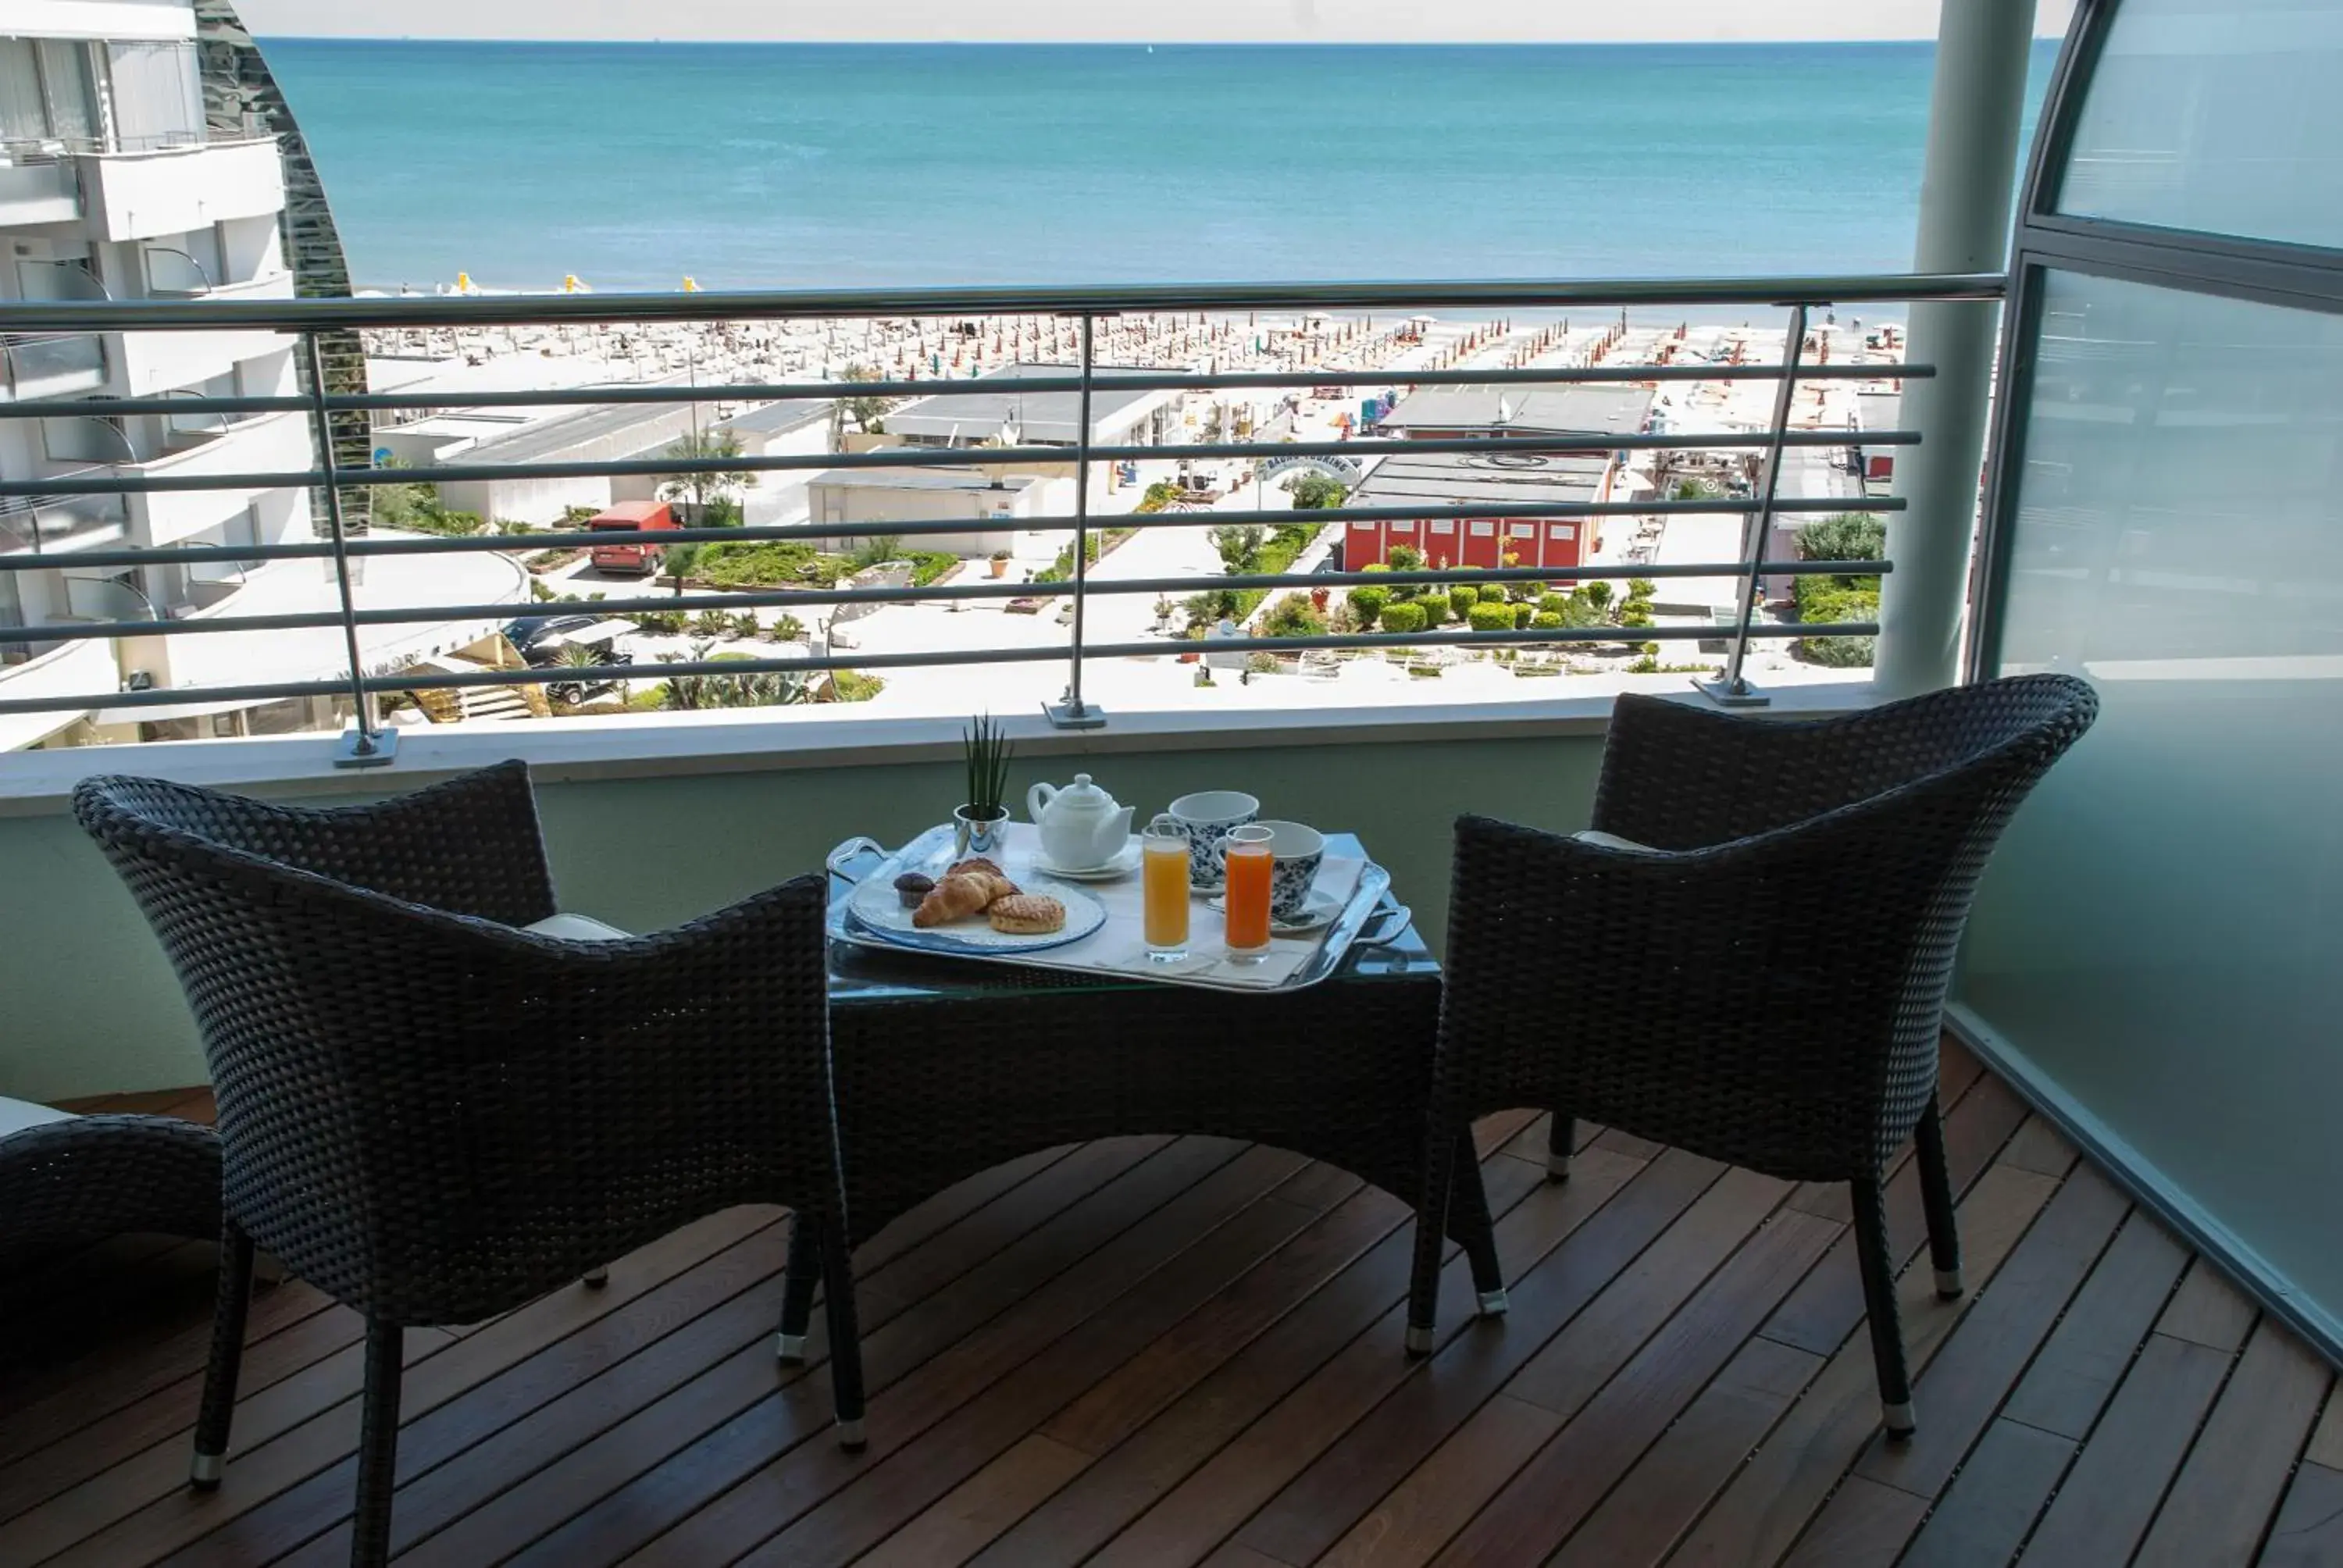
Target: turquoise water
632, 165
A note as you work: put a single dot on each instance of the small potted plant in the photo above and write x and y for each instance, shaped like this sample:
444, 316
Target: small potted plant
1000, 563
979, 824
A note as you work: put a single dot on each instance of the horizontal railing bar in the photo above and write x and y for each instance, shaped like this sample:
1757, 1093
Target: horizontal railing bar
172, 697
935, 593
909, 529
944, 458
502, 310
1136, 380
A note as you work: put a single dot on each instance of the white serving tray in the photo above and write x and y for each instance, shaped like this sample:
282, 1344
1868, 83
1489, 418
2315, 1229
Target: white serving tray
1115, 950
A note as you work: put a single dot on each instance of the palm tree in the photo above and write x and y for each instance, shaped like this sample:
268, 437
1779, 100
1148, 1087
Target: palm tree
702, 486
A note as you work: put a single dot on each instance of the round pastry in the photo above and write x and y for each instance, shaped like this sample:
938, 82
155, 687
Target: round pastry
912, 887
1027, 915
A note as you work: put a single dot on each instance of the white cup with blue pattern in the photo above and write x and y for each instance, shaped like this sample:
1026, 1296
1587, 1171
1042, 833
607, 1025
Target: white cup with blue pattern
1207, 818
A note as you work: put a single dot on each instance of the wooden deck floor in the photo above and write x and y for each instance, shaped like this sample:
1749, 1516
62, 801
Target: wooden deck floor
1151, 1350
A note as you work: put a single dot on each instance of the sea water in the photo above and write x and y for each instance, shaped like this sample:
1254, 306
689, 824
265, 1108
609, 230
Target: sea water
634, 165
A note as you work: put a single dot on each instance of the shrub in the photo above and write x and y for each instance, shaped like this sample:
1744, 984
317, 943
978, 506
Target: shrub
745, 627
761, 563
854, 686
1597, 594
1642, 588
1404, 616
1555, 605
1435, 609
1522, 614
660, 622
1461, 598
1635, 613
1547, 620
927, 566
1843, 604
1261, 664
711, 623
1404, 559
1492, 617
1293, 616
1843, 537
1367, 601
789, 629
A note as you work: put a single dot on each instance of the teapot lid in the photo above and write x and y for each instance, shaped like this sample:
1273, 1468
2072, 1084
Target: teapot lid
1083, 795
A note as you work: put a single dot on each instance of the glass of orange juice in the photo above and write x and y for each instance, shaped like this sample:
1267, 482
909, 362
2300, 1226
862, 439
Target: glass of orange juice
1164, 871
1245, 853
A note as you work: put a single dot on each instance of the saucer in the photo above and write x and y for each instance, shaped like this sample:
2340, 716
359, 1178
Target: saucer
1317, 911
1123, 864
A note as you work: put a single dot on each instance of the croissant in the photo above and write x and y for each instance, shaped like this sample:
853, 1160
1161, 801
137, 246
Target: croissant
958, 897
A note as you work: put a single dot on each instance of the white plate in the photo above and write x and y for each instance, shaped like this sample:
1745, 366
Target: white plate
879, 909
1316, 910
1114, 870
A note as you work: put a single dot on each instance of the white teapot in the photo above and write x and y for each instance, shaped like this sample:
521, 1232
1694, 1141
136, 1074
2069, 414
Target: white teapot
1081, 827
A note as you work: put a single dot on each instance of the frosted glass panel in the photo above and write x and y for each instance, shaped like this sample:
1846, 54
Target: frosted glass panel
2222, 116
2162, 931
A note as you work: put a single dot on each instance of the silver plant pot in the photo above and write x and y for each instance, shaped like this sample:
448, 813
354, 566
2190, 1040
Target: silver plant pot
971, 835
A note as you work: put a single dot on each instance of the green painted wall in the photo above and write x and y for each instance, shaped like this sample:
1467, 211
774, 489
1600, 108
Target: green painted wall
88, 1005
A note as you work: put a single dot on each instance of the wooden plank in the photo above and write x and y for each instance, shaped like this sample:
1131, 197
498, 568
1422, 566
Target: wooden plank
2039, 1147
1532, 1216
1553, 1493
120, 1295
2112, 1490
1968, 1379
168, 1415
2221, 1505
135, 1373
1220, 1209
309, 1422
1185, 1523
2308, 1531
1827, 1306
2208, 1310
1419, 1514
979, 1509
1612, 1301
1995, 1500
1647, 1512
731, 1342
2327, 1438
2092, 1347
1865, 1526
1760, 1515
1135, 1392
1235, 1556
880, 1498
1004, 1252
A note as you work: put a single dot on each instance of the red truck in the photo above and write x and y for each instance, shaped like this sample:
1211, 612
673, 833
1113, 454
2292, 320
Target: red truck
641, 559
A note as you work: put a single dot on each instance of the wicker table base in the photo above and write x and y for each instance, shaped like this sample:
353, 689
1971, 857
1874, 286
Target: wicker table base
943, 1069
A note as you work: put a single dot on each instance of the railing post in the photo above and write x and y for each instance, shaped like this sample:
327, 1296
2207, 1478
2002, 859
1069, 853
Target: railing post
1733, 690
1073, 713
365, 744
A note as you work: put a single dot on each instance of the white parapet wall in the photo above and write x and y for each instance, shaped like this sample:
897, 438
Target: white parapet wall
173, 190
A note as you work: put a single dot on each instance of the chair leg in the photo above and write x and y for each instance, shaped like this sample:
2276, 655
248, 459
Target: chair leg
1470, 1224
218, 1413
1879, 1305
845, 1341
377, 1446
804, 1273
1561, 1135
1431, 1231
1936, 1195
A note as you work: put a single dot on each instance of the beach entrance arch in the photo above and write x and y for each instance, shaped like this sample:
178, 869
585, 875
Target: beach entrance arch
1348, 470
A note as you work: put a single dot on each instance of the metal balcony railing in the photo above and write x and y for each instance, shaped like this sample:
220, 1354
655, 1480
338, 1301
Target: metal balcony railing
1796, 300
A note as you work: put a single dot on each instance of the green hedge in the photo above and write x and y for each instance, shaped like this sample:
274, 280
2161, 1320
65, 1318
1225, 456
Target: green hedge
1492, 617
1843, 605
1404, 616
1461, 598
1367, 602
1434, 606
1523, 615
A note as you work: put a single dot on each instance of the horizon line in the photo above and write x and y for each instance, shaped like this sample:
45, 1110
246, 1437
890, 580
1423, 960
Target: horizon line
1124, 43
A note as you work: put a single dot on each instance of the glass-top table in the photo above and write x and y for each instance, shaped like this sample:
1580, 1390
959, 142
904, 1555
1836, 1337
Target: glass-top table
943, 1067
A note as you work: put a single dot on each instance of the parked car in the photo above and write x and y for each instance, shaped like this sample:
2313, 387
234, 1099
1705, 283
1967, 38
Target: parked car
587, 647
529, 630
634, 558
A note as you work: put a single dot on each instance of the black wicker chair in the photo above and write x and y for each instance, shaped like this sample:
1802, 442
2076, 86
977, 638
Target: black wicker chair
434, 1116
66, 1180
1767, 988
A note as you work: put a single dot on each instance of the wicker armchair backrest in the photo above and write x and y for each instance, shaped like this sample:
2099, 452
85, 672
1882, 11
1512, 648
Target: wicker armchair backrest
1772, 993
432, 1115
